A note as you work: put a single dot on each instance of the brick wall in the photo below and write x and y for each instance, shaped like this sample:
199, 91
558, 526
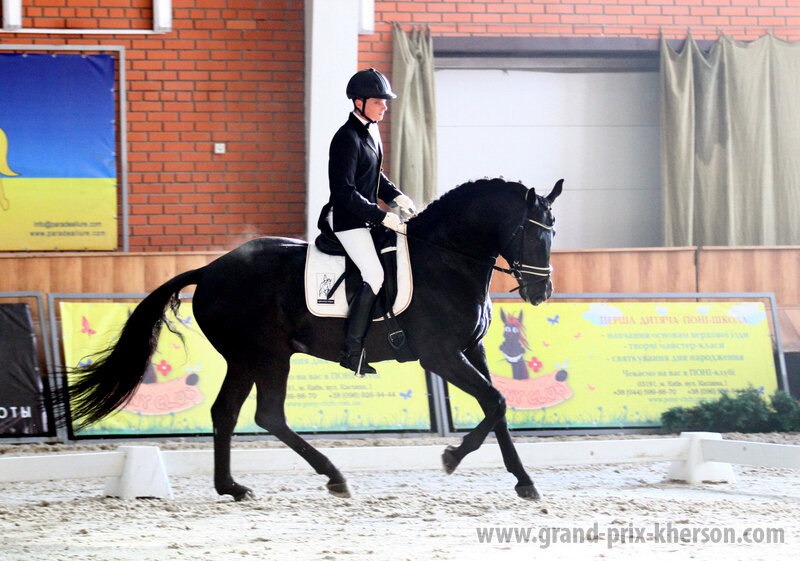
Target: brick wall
741, 19
232, 71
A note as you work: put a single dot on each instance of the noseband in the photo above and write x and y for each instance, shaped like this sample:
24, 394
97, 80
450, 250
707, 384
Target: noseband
517, 268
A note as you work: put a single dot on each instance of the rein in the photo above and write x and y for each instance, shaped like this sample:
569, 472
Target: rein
446, 249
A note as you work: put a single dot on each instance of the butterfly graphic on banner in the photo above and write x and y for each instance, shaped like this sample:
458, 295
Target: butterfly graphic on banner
85, 327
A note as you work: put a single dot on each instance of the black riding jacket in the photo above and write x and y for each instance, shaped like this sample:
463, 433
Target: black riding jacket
356, 179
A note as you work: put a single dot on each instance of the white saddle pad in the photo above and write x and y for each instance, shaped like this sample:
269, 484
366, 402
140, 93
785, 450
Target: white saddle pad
323, 270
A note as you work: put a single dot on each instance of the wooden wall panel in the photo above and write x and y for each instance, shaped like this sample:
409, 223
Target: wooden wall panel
96, 277
617, 271
129, 275
96, 273
752, 269
631, 270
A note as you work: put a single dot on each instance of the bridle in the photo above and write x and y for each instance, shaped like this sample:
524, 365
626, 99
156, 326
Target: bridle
517, 268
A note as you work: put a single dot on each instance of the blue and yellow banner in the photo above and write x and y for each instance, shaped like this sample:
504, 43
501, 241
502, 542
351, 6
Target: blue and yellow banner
58, 188
620, 364
184, 377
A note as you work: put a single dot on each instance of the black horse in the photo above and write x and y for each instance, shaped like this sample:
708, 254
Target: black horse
250, 304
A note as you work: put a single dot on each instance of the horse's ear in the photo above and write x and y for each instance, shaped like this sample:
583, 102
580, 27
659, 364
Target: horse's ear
530, 196
556, 191
502, 315
519, 319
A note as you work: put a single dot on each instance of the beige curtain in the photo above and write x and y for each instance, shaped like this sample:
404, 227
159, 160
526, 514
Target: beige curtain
730, 143
414, 116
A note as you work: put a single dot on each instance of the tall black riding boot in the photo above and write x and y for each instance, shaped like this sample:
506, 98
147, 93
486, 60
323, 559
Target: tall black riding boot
358, 320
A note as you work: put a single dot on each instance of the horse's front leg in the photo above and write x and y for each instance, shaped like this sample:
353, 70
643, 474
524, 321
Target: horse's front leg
460, 372
525, 487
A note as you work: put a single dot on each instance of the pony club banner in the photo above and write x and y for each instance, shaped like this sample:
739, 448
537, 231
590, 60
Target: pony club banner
57, 152
619, 364
184, 377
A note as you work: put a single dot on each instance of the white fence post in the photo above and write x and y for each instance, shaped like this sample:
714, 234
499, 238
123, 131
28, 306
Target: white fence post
695, 469
143, 475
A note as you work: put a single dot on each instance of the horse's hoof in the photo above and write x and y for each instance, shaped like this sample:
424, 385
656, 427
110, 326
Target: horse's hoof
529, 492
339, 490
449, 460
243, 494
238, 492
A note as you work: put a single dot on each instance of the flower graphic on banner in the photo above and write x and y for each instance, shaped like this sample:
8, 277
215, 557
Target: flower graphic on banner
534, 364
164, 367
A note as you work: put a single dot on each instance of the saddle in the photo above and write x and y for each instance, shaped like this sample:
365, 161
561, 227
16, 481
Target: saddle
332, 280
385, 242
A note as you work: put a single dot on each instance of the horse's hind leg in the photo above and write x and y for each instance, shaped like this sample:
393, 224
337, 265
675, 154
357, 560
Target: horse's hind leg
271, 387
224, 414
525, 487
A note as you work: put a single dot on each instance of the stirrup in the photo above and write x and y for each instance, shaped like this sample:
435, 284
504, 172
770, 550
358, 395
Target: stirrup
357, 362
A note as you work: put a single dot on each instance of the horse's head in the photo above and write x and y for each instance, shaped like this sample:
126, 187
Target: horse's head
528, 252
514, 341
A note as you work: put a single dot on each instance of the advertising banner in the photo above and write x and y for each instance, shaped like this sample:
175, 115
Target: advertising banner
22, 402
58, 188
183, 380
620, 364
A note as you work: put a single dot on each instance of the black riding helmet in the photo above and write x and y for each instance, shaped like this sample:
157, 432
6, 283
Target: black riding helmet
366, 84
369, 83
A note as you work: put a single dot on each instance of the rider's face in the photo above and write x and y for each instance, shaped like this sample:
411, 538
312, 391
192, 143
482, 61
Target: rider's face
374, 108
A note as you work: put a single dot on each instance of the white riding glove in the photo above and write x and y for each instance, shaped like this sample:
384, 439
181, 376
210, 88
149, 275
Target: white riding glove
392, 221
406, 206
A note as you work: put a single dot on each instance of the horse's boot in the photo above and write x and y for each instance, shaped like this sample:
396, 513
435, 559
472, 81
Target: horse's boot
359, 318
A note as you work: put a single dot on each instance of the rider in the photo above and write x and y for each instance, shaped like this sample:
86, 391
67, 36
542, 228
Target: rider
356, 179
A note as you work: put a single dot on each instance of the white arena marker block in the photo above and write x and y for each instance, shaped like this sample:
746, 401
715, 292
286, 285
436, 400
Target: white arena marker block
143, 475
695, 469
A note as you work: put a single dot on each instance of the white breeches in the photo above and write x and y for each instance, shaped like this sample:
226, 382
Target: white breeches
359, 246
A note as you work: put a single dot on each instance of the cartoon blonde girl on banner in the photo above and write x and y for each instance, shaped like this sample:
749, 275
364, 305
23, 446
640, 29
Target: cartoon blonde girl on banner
4, 168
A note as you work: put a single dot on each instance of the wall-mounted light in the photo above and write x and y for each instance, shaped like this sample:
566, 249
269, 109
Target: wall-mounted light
162, 16
12, 15
366, 17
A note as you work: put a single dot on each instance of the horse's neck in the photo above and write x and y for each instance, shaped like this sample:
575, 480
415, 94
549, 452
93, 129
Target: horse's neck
476, 229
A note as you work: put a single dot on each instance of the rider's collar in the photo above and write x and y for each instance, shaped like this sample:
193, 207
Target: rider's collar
364, 121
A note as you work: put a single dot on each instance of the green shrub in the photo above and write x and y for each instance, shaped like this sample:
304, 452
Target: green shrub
787, 412
747, 411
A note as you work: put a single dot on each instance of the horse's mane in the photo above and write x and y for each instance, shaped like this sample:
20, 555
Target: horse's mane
461, 195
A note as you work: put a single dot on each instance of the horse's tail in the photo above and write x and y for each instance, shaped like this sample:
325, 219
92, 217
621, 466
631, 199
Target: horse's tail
105, 385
